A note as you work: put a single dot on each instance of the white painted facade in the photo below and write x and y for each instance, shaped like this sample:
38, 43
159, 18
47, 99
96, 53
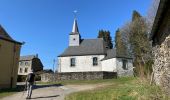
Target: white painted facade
109, 65
24, 67
83, 64
74, 40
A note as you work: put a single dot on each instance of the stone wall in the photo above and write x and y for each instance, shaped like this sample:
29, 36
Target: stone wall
161, 66
46, 77
124, 72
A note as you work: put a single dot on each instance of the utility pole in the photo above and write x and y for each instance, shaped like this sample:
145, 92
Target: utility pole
54, 70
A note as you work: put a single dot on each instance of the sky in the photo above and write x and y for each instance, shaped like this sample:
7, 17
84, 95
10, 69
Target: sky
44, 25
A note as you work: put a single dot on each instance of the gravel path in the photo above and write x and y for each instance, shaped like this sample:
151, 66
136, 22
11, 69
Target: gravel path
52, 92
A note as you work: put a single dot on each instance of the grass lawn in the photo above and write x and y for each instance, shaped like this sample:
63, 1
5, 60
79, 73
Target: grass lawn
128, 88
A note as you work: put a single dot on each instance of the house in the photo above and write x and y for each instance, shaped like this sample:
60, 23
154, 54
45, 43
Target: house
28, 63
9, 57
92, 56
160, 35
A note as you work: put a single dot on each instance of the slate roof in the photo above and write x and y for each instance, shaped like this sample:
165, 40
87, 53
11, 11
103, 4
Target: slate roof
159, 17
28, 57
5, 36
86, 47
75, 29
111, 53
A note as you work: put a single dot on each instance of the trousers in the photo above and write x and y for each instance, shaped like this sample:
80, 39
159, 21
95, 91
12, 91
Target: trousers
29, 89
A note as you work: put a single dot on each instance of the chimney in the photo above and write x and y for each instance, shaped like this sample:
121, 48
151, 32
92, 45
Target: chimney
36, 55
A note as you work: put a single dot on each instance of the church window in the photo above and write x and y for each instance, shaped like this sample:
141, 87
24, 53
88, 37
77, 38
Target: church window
124, 64
72, 62
95, 61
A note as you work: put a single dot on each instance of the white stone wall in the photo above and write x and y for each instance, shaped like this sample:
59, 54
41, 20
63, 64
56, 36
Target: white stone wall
83, 64
109, 65
121, 71
74, 40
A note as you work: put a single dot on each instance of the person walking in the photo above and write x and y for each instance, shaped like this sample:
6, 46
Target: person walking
30, 81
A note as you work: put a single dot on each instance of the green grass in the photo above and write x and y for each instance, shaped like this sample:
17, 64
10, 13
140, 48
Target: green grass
121, 89
10, 91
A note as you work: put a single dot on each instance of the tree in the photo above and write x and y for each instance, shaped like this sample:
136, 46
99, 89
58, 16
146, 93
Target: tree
135, 35
106, 37
141, 46
136, 15
121, 49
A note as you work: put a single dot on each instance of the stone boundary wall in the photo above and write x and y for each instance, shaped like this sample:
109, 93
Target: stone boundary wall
47, 77
161, 67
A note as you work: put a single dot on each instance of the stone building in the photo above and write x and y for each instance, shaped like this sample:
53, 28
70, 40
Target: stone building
9, 57
160, 36
26, 63
92, 55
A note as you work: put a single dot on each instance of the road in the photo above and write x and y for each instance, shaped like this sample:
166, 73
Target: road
52, 92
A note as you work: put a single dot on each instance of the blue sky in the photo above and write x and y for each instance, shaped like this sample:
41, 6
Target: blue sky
45, 24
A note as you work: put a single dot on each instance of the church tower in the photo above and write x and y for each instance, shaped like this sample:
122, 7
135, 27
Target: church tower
74, 38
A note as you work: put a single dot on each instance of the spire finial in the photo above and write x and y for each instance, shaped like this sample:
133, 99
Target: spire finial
75, 25
75, 14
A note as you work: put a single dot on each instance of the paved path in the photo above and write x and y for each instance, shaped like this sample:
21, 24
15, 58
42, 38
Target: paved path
52, 92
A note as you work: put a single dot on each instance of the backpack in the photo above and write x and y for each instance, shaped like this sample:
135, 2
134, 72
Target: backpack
31, 77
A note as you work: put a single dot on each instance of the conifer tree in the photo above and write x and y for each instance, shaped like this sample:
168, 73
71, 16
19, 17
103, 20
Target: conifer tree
121, 49
106, 37
136, 15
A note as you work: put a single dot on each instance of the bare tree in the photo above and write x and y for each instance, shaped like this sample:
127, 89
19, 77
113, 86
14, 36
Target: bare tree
125, 33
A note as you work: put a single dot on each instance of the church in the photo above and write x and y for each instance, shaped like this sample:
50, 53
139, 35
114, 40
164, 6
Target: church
92, 55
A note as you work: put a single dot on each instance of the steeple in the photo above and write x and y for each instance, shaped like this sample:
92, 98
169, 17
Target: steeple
74, 37
75, 29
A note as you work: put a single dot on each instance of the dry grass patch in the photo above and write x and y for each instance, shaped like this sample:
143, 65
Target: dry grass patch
127, 88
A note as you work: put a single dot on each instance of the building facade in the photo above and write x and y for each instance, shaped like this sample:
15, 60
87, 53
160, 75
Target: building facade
160, 36
28, 63
92, 55
9, 57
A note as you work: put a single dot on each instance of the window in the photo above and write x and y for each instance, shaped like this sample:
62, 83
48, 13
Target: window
21, 63
95, 61
26, 70
124, 64
26, 63
72, 62
20, 70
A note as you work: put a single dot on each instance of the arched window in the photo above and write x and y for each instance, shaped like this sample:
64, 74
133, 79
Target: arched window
95, 61
124, 64
73, 62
